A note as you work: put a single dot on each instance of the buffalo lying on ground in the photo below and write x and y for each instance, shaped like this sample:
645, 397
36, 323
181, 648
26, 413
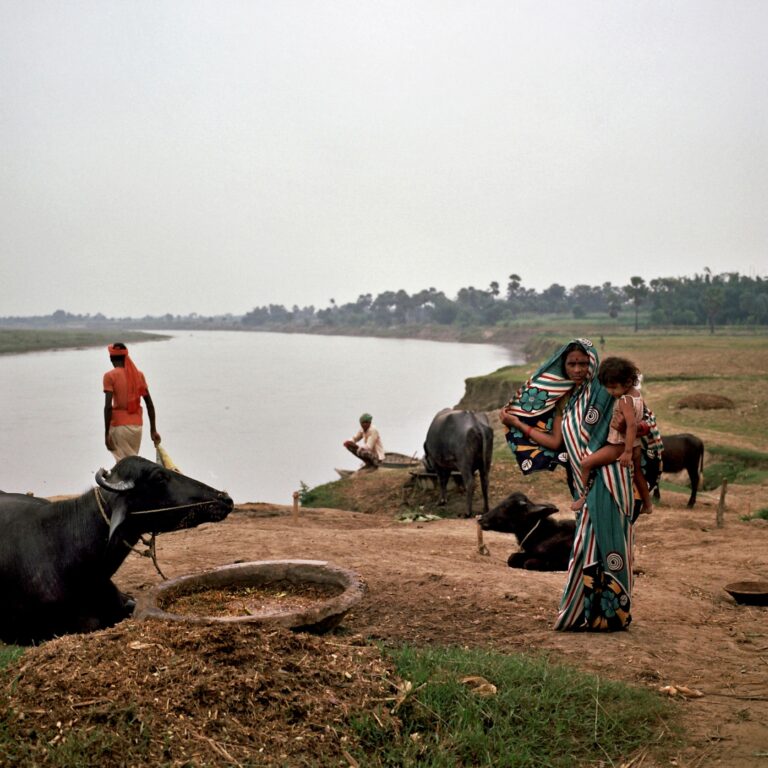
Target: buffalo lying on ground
57, 558
461, 441
681, 452
545, 544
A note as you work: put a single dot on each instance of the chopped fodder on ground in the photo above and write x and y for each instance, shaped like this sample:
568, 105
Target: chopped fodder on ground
155, 693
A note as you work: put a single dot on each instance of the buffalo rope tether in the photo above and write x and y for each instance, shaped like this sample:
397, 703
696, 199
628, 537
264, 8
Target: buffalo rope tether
150, 550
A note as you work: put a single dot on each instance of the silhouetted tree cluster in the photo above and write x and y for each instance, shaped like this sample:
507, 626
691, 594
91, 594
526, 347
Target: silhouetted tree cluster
707, 299
727, 299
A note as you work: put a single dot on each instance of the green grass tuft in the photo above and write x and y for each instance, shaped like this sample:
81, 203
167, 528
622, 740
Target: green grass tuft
743, 456
9, 653
760, 514
733, 472
540, 715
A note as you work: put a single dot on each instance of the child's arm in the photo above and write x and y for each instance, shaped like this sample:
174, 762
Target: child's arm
628, 412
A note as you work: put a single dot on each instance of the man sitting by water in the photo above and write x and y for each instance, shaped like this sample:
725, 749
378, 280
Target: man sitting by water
370, 450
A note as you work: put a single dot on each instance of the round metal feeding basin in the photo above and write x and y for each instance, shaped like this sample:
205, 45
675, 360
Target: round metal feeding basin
321, 615
749, 592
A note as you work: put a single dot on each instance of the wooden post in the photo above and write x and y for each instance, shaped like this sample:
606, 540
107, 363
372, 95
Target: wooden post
295, 505
721, 505
481, 548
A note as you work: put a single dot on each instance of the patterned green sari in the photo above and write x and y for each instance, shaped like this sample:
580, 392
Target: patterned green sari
599, 585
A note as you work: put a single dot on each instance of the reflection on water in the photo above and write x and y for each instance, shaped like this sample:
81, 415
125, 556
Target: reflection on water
252, 413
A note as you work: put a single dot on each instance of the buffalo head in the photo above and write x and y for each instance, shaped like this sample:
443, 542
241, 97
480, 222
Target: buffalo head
144, 497
544, 543
516, 514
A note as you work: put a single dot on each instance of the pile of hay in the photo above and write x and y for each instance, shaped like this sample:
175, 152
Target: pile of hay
156, 693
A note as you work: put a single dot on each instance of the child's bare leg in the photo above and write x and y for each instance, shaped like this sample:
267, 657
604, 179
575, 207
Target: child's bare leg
640, 481
603, 456
586, 470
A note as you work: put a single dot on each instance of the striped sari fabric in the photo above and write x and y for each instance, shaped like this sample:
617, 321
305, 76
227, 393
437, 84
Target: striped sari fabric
599, 582
599, 585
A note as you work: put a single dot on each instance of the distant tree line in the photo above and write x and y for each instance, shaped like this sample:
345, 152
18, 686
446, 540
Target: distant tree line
727, 299
706, 299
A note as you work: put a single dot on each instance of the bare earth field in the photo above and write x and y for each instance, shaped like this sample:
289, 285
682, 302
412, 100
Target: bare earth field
428, 584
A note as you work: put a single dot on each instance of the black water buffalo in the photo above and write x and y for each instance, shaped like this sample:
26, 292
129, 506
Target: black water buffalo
681, 452
545, 544
57, 558
461, 441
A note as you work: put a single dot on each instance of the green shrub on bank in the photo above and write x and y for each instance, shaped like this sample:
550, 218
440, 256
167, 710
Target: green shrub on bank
327, 495
535, 714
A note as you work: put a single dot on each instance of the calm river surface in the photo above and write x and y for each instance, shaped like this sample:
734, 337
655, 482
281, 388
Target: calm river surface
253, 413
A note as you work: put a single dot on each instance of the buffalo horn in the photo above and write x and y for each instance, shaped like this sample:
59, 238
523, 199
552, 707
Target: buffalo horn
119, 487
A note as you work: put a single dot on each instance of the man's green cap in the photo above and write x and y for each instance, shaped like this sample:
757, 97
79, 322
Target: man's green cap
366, 417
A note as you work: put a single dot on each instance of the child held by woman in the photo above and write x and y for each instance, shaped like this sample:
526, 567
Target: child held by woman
621, 378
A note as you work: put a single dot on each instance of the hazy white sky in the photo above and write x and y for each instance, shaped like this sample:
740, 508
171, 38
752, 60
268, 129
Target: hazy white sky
210, 155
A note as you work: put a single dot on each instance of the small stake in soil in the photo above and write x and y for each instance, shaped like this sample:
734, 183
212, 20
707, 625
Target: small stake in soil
721, 505
481, 548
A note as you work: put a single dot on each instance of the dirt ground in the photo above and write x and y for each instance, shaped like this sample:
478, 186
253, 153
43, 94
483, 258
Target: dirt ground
427, 584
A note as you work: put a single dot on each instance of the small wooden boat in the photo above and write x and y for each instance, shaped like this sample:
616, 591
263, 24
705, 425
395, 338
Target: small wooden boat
391, 461
399, 461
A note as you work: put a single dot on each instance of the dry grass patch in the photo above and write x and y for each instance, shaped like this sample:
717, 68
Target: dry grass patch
706, 402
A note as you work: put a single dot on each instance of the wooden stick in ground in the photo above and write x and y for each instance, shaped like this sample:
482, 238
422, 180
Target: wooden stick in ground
721, 505
295, 505
481, 548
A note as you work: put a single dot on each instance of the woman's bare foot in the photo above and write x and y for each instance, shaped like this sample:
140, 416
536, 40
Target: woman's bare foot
579, 503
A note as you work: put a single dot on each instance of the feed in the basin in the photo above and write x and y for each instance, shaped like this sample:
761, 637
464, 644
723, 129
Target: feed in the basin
259, 600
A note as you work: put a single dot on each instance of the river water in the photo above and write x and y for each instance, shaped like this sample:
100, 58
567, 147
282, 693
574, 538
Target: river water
256, 414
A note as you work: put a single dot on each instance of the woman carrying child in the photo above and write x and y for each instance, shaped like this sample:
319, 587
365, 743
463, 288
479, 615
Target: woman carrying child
621, 378
560, 416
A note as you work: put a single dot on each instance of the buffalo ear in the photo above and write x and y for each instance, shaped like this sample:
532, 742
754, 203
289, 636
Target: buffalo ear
118, 487
118, 516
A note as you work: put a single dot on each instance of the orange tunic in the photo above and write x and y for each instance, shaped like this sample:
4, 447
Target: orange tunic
116, 382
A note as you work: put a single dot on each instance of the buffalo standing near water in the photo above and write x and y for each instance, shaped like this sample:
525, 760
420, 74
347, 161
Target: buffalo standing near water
57, 558
545, 544
460, 441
